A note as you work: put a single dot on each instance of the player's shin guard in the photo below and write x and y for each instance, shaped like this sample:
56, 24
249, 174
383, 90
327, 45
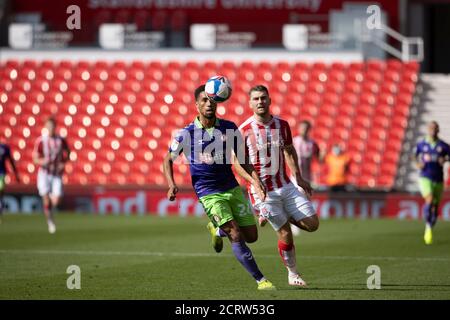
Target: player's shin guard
245, 257
287, 253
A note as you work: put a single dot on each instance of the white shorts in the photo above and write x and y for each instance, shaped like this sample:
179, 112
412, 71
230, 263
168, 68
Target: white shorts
282, 204
49, 184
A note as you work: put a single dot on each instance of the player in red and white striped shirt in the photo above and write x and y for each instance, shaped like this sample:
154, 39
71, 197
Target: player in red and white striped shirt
51, 152
268, 141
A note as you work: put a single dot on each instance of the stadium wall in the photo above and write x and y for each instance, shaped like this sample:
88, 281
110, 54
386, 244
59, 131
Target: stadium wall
182, 55
263, 18
136, 201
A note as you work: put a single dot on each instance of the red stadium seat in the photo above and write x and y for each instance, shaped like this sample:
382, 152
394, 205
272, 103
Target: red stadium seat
366, 181
388, 169
283, 66
343, 121
353, 87
411, 66
383, 110
362, 121
394, 64
392, 75
388, 99
409, 76
340, 133
349, 98
370, 87
378, 132
365, 110
407, 87
375, 65
389, 87
386, 180
346, 109
368, 98
391, 157
374, 76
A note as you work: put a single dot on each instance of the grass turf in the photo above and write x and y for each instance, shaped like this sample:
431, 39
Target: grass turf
171, 258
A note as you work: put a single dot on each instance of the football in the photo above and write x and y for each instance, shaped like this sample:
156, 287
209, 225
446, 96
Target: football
218, 88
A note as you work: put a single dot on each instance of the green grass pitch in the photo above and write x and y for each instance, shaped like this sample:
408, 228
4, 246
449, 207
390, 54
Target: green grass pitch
171, 258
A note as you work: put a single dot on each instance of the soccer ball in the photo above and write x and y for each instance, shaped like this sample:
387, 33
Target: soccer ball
218, 88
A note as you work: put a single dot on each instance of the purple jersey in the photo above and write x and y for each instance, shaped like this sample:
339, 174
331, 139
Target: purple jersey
209, 155
5, 153
430, 153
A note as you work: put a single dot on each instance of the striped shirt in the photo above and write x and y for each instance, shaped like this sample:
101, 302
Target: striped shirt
264, 143
52, 150
306, 150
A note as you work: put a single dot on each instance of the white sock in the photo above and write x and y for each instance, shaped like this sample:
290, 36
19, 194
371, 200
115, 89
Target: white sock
287, 254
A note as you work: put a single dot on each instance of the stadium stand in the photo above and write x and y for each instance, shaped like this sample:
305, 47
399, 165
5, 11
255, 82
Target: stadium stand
119, 116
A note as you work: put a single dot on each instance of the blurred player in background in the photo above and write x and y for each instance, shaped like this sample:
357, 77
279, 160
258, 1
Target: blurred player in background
50, 153
431, 154
215, 184
307, 149
5, 154
268, 141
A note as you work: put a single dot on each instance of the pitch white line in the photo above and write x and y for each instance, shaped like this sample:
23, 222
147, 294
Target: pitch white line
199, 254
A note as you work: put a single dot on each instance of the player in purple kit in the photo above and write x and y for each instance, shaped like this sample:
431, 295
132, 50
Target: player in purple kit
209, 144
430, 156
5, 154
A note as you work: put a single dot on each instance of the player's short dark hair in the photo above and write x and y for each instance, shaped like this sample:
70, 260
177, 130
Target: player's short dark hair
198, 91
306, 122
259, 88
52, 120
